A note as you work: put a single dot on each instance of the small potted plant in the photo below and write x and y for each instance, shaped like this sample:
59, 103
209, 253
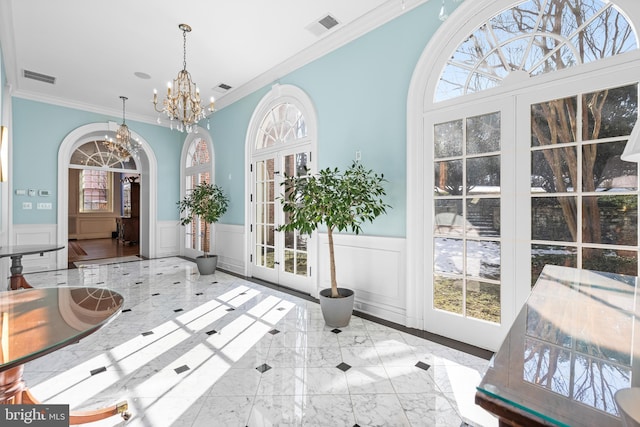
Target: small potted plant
340, 201
207, 202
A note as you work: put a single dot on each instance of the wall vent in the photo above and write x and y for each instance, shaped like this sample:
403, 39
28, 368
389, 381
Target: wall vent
322, 25
38, 76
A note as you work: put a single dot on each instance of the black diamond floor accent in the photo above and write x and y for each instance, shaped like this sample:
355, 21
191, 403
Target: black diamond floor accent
155, 295
211, 332
99, 283
126, 309
263, 368
230, 309
200, 293
274, 331
243, 293
336, 331
144, 334
423, 365
177, 310
281, 308
139, 283
176, 283
213, 283
125, 274
344, 367
97, 371
181, 369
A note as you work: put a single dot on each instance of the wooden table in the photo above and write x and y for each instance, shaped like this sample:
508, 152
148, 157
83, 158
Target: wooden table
574, 344
35, 322
16, 252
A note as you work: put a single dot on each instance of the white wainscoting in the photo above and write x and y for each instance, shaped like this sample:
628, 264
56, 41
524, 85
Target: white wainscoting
374, 267
37, 234
167, 238
229, 245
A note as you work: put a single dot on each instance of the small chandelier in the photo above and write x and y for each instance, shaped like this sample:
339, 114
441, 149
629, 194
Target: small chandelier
182, 102
123, 134
123, 147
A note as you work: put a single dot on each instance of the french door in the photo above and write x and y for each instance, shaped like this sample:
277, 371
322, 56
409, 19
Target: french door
518, 183
276, 256
468, 179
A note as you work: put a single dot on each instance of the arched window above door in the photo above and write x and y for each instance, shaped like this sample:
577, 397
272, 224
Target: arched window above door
283, 123
198, 153
98, 154
532, 38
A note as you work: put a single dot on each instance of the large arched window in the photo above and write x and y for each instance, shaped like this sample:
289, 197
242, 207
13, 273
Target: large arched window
281, 138
198, 168
515, 150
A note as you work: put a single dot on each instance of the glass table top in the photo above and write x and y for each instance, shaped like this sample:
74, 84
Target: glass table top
574, 344
34, 322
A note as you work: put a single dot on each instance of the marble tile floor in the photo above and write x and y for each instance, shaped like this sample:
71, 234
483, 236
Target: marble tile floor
218, 350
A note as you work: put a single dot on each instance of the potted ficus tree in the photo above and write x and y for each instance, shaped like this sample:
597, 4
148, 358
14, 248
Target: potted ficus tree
207, 202
340, 201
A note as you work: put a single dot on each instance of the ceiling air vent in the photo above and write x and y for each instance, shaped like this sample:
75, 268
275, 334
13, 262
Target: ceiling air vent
328, 22
322, 25
38, 76
224, 86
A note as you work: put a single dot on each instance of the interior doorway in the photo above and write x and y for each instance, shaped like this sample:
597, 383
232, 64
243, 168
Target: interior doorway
146, 169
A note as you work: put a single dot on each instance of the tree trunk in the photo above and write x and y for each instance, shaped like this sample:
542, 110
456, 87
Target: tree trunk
332, 264
205, 240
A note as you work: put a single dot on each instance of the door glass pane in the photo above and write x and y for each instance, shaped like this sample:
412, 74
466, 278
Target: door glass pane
448, 139
612, 173
483, 175
448, 294
449, 219
448, 178
483, 300
448, 254
483, 217
610, 219
553, 218
483, 134
553, 170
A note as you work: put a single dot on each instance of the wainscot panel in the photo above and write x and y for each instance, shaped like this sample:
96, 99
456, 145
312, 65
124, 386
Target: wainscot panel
229, 245
167, 238
38, 234
374, 267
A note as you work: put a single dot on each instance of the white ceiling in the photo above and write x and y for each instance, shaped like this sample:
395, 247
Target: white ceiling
93, 48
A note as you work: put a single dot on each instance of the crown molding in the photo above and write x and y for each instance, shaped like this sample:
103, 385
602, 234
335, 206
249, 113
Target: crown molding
63, 102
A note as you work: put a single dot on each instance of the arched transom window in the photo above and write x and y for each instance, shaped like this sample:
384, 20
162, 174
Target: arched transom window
532, 38
98, 154
283, 123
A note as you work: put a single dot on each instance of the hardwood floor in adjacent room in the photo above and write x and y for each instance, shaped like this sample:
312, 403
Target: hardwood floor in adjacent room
92, 249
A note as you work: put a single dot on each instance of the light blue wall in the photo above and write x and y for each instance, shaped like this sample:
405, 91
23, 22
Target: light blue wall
38, 131
360, 94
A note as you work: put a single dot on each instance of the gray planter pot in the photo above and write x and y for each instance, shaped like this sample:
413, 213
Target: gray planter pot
207, 265
336, 311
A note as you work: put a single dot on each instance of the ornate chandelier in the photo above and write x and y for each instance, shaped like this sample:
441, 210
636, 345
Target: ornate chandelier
123, 147
182, 102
